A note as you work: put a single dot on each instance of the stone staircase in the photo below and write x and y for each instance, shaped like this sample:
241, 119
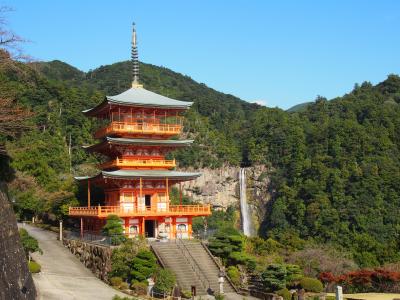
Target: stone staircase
192, 265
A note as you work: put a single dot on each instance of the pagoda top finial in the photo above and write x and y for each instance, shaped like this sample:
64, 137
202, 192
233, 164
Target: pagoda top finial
135, 59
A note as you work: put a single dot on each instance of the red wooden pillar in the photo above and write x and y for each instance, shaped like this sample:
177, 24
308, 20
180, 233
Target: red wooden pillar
180, 193
88, 193
140, 190
126, 227
173, 227
189, 227
166, 189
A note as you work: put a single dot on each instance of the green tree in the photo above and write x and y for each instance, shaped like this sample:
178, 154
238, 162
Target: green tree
164, 281
227, 244
122, 257
143, 266
113, 228
274, 277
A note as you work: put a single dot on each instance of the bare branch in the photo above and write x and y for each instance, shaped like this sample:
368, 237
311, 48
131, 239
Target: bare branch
9, 41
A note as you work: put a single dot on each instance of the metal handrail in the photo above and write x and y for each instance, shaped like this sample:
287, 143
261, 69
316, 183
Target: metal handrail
186, 250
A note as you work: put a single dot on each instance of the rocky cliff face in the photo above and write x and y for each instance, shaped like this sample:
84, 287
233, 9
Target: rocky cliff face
220, 187
15, 280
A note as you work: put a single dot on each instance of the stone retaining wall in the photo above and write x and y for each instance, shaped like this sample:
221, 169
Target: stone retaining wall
97, 258
15, 280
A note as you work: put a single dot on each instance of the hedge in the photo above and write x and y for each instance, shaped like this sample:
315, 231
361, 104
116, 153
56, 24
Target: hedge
311, 284
34, 267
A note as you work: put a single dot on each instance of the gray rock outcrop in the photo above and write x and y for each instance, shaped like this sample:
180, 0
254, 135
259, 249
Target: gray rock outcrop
220, 188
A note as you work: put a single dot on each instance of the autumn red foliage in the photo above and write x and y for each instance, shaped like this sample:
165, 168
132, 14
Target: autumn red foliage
365, 280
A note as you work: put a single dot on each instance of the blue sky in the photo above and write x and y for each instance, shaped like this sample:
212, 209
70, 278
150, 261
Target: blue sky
280, 53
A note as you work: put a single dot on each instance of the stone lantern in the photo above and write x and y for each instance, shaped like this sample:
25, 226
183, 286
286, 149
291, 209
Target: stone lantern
221, 279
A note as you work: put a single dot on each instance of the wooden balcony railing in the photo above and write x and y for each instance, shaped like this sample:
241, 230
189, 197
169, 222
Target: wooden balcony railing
172, 210
137, 128
138, 163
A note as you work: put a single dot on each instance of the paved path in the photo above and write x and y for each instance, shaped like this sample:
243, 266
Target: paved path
63, 276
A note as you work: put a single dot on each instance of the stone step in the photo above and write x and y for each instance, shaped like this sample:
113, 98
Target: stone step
172, 254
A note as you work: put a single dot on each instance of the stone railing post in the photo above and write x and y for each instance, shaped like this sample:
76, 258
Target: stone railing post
61, 230
339, 293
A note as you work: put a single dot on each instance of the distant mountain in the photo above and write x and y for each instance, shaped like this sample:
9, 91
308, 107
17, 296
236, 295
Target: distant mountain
115, 78
299, 107
58, 70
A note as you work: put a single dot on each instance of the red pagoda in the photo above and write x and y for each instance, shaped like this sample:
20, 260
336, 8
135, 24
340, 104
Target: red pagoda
137, 178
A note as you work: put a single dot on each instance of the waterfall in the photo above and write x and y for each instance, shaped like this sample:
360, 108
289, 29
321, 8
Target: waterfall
244, 207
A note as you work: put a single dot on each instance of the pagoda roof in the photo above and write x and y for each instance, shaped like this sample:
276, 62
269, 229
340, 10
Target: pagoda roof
143, 142
140, 97
144, 174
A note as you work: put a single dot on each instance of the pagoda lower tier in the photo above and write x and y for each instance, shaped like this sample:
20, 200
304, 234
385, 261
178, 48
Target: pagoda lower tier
141, 199
148, 226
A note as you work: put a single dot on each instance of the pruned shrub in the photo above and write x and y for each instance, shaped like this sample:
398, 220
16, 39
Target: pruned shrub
294, 275
113, 228
274, 277
165, 281
116, 297
234, 274
143, 265
34, 267
116, 281
227, 243
284, 293
140, 288
219, 297
122, 257
251, 264
186, 294
311, 284
124, 285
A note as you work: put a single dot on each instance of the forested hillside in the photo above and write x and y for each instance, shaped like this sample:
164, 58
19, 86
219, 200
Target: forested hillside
47, 156
335, 169
217, 120
337, 176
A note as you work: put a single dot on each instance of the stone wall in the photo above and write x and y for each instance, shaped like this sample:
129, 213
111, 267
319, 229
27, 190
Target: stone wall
256, 289
15, 280
97, 258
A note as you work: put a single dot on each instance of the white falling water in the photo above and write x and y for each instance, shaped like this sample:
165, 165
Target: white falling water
244, 207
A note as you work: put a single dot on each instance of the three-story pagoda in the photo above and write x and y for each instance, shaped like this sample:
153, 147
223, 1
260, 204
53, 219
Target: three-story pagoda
137, 177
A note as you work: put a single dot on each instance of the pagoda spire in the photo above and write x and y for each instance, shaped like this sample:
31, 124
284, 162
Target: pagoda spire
135, 59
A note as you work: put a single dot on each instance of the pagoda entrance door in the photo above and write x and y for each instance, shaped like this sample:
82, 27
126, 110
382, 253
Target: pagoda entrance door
150, 228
